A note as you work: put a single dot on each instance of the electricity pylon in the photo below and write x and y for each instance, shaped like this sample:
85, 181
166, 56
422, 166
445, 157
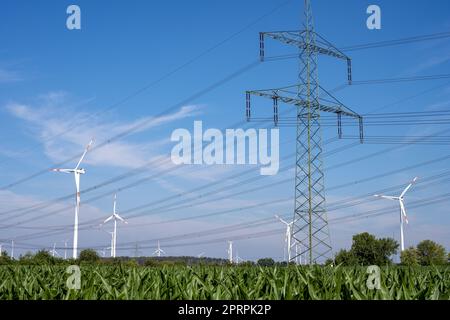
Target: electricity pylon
310, 225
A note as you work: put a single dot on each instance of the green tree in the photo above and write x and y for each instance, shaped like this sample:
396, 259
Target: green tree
4, 258
42, 257
431, 253
89, 256
346, 258
368, 250
266, 262
386, 248
365, 247
410, 257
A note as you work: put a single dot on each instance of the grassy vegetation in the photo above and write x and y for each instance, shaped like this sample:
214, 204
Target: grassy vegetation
223, 282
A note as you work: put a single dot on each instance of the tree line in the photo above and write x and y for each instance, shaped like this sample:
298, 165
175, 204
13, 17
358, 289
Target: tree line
365, 250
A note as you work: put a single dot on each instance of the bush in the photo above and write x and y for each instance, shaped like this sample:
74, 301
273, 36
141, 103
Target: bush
410, 257
431, 253
89, 256
266, 262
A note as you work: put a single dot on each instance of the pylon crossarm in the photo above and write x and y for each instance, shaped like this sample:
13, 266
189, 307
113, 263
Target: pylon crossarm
338, 108
297, 39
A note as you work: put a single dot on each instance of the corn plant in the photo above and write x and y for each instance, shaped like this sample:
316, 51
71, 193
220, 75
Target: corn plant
227, 282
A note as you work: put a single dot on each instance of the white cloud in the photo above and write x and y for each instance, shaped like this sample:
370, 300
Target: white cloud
65, 132
8, 76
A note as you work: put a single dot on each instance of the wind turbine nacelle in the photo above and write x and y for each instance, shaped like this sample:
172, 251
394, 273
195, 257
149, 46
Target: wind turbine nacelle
81, 171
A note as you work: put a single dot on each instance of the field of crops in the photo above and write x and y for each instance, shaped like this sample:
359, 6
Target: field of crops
207, 282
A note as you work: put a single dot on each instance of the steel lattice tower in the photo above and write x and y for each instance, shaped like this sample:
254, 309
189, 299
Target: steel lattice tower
310, 225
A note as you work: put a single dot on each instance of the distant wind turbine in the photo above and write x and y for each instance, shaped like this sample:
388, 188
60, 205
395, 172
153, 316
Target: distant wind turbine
158, 251
54, 252
77, 172
237, 258
230, 251
403, 217
65, 250
115, 216
288, 237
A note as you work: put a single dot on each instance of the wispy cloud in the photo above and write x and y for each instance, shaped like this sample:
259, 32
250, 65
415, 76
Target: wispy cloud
8, 76
63, 131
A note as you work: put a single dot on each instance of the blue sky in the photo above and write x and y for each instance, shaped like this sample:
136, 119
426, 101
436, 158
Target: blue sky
53, 80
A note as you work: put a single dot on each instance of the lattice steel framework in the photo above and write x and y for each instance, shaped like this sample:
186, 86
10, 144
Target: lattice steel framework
310, 225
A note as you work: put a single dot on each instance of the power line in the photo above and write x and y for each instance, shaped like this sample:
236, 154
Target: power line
355, 47
373, 45
162, 78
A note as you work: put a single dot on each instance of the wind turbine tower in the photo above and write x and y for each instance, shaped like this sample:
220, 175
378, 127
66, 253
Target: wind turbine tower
65, 249
230, 251
77, 172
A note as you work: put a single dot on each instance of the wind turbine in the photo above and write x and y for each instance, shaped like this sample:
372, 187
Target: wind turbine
403, 217
1, 249
158, 251
298, 252
230, 251
237, 258
200, 255
288, 237
77, 172
12, 249
54, 252
65, 250
116, 217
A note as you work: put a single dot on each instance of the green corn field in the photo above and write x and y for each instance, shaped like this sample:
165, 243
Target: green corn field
230, 283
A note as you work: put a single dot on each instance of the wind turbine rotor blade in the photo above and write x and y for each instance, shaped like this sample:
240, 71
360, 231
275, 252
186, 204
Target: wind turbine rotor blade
279, 218
62, 170
120, 218
402, 206
84, 153
108, 219
408, 187
386, 197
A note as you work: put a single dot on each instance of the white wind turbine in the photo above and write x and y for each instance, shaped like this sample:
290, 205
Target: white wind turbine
159, 251
403, 217
77, 172
115, 216
54, 252
288, 237
237, 258
230, 251
65, 250
1, 249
